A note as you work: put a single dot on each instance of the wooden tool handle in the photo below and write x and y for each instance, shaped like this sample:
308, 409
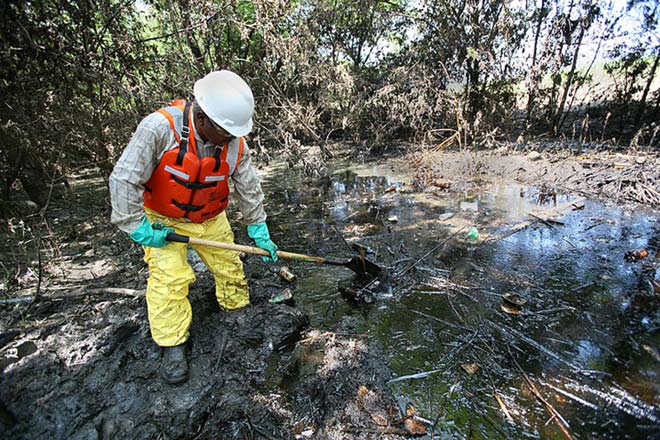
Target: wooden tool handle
242, 248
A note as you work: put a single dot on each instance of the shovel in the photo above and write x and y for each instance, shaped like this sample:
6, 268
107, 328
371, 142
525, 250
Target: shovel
359, 265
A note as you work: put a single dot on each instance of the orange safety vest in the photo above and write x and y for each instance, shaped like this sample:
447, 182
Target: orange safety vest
183, 185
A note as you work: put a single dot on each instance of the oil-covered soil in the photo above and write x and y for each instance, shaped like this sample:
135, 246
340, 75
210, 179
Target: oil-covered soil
78, 361
426, 350
86, 367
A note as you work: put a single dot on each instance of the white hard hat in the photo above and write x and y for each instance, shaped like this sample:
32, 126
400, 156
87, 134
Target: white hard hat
227, 100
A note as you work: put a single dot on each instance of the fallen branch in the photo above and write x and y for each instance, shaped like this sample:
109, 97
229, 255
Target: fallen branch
77, 294
546, 216
596, 224
546, 221
503, 408
536, 345
221, 352
572, 396
263, 432
561, 422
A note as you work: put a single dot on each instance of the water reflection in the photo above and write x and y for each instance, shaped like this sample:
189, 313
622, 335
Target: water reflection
581, 330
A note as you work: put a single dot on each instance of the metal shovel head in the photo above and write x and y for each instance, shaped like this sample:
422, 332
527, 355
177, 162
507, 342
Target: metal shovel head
362, 266
359, 265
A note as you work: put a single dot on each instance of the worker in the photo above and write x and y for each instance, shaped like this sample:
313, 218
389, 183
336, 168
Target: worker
173, 177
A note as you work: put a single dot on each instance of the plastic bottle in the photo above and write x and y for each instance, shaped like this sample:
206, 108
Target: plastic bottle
473, 234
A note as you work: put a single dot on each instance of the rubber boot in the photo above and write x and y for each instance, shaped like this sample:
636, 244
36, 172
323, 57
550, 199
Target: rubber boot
175, 364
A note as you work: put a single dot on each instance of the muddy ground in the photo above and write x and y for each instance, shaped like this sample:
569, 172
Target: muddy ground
610, 175
78, 362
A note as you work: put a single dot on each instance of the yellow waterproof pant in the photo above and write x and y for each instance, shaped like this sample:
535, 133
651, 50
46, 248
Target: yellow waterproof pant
170, 274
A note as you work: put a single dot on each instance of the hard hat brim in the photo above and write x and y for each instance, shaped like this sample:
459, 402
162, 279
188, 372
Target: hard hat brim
237, 131
213, 98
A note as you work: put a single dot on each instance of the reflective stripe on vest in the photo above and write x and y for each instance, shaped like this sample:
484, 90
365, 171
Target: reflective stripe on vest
213, 178
177, 173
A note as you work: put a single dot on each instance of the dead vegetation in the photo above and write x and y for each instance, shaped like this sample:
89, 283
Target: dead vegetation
78, 76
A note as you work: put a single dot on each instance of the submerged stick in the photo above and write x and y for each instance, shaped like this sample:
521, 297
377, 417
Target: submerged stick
424, 374
436, 247
561, 422
536, 345
571, 396
442, 321
547, 222
499, 399
503, 407
539, 215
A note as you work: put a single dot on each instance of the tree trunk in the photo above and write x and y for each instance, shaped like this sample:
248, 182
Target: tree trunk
556, 126
642, 101
534, 77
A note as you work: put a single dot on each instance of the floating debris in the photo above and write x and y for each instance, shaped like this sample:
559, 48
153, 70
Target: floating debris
283, 272
472, 233
470, 368
414, 424
636, 255
512, 303
285, 296
445, 216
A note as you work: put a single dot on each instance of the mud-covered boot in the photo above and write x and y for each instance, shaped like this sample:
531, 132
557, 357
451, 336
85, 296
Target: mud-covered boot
175, 364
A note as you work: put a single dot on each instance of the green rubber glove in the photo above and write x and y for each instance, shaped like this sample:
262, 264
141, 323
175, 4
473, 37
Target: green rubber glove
259, 233
151, 235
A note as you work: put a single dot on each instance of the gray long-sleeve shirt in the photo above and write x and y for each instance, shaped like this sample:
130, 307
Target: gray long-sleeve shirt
152, 138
